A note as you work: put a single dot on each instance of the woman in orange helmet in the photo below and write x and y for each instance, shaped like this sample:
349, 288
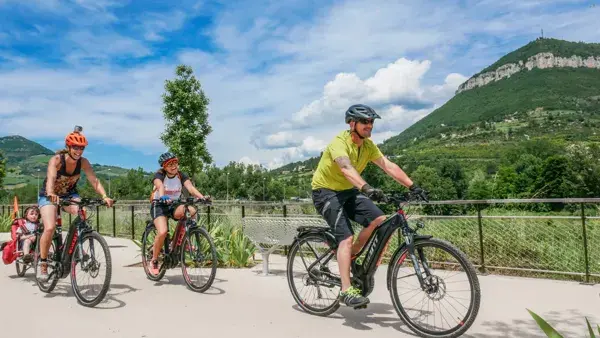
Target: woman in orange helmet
61, 182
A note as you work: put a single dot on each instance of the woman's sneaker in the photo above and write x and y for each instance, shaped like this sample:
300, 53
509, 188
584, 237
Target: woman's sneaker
153, 267
353, 298
42, 271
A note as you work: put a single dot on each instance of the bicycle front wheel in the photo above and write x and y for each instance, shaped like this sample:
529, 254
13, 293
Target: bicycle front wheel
450, 287
91, 270
198, 251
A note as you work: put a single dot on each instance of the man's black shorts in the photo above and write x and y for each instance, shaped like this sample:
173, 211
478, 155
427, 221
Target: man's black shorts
339, 207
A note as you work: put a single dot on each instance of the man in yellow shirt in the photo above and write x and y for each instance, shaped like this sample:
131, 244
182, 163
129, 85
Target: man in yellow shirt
336, 188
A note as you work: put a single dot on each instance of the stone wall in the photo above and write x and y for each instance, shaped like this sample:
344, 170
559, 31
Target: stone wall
541, 60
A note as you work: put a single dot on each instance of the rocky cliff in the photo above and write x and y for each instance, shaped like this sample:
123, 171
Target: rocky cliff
540, 60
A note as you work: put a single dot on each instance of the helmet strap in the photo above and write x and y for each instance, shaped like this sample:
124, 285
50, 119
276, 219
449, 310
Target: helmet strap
69, 152
354, 131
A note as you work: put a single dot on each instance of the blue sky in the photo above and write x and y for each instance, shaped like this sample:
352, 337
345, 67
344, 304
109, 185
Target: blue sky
279, 74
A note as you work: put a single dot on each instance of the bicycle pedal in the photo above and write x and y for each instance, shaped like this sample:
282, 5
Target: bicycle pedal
361, 307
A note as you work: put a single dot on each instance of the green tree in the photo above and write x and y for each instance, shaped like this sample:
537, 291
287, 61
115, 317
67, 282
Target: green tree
439, 188
135, 185
186, 115
504, 183
480, 188
556, 179
2, 169
528, 168
454, 171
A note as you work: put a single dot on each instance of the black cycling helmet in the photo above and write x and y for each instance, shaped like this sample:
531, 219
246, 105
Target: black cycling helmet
165, 157
360, 111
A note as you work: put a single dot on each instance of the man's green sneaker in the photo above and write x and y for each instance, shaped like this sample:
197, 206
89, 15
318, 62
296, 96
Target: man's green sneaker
353, 298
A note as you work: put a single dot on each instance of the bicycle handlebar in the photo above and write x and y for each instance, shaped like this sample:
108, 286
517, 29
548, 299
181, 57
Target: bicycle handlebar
402, 197
186, 201
84, 202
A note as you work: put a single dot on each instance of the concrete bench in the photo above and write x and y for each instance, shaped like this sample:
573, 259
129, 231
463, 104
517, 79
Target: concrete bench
269, 233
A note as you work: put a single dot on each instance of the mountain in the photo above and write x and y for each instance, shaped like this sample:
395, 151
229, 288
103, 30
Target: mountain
546, 86
26, 160
17, 148
546, 92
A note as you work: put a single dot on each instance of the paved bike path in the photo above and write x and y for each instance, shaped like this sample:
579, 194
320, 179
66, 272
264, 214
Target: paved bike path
242, 303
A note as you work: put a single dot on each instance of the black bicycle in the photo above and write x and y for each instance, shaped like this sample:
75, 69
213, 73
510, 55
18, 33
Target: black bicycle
192, 246
78, 250
429, 259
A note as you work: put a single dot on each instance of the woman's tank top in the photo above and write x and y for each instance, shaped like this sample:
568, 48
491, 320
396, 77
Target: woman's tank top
65, 184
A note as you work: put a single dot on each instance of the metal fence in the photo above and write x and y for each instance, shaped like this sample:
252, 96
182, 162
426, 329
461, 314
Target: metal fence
553, 238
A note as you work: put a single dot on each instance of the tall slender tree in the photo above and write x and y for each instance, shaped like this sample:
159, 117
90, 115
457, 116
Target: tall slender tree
185, 111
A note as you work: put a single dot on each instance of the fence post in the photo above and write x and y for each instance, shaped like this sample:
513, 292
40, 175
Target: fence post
98, 218
285, 248
481, 250
585, 245
208, 218
132, 222
113, 221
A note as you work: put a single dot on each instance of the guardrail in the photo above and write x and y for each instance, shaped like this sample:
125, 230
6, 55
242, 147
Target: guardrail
499, 236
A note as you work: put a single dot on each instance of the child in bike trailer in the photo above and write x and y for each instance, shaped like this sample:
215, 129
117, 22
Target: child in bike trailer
169, 184
26, 231
22, 236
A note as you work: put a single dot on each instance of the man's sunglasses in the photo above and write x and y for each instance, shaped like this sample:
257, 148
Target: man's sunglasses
78, 147
366, 121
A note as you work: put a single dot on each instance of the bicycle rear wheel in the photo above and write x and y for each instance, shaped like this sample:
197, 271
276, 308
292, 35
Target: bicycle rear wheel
308, 250
53, 272
89, 263
21, 268
443, 267
198, 250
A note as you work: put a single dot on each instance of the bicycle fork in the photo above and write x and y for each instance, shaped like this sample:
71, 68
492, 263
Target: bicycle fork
409, 239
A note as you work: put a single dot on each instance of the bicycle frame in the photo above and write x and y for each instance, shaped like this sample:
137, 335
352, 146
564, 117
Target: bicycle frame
375, 247
184, 225
178, 235
78, 228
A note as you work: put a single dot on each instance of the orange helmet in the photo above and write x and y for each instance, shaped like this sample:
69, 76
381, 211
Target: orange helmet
76, 138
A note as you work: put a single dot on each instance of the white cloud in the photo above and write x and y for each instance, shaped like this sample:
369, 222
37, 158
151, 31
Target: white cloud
309, 147
446, 90
99, 5
154, 24
115, 106
282, 139
273, 67
397, 82
92, 46
248, 161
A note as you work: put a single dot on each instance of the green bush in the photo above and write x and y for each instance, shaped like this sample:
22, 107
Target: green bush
5, 223
234, 249
551, 332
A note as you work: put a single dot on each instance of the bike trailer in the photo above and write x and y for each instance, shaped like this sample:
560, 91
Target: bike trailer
9, 249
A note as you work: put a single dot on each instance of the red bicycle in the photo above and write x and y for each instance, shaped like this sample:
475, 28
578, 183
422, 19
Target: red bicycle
192, 246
